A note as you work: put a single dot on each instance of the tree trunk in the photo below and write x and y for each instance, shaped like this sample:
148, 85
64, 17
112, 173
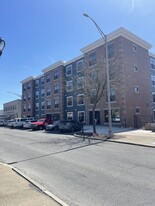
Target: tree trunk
94, 120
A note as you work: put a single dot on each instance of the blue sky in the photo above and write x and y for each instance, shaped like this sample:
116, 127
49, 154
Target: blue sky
39, 33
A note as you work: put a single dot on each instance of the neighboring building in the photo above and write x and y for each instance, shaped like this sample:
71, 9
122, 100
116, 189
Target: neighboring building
132, 84
28, 94
12, 109
152, 74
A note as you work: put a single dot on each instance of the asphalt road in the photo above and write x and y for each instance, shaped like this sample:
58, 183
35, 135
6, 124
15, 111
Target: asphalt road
82, 173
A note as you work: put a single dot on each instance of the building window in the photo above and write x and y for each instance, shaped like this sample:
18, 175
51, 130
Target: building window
69, 86
134, 48
137, 110
135, 68
56, 102
69, 115
24, 87
93, 96
29, 107
28, 86
37, 83
153, 115
48, 78
48, 91
112, 73
37, 95
112, 95
29, 96
92, 58
80, 99
69, 70
24, 108
153, 80
81, 116
42, 105
56, 74
48, 104
42, 81
42, 93
136, 89
152, 63
80, 82
115, 116
37, 107
24, 98
153, 97
70, 101
110, 50
56, 88
79, 66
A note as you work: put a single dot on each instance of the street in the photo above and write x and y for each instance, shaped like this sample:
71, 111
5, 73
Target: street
82, 173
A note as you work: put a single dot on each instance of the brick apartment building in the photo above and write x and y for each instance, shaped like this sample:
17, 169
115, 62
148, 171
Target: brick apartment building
132, 84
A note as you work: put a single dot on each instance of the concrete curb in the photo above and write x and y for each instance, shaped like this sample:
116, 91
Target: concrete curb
57, 199
37, 185
131, 143
114, 141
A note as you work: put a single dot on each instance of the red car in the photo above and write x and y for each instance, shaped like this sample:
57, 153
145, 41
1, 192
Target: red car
40, 124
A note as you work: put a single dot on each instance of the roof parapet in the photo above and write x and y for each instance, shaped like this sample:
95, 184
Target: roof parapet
117, 33
53, 66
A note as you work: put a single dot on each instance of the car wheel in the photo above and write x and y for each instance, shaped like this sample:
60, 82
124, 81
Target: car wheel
72, 129
40, 127
56, 128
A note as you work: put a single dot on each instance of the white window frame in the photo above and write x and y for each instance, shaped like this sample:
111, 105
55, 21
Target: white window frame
70, 113
68, 69
79, 68
69, 84
77, 99
136, 89
56, 99
79, 114
36, 106
70, 97
135, 68
80, 81
153, 80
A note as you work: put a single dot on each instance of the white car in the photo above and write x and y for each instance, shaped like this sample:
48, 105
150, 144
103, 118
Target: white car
27, 124
10, 123
18, 123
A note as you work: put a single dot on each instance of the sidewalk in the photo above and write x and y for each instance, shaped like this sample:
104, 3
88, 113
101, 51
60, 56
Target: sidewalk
16, 191
126, 135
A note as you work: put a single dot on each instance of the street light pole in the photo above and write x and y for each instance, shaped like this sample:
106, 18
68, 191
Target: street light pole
2, 45
104, 36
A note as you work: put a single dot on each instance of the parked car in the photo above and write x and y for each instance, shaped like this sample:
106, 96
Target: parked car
40, 124
70, 126
18, 122
1, 122
27, 124
52, 127
10, 123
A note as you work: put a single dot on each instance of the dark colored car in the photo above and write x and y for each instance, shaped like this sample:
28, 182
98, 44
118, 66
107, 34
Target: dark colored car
70, 126
52, 127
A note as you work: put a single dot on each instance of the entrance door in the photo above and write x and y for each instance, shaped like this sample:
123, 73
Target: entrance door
97, 116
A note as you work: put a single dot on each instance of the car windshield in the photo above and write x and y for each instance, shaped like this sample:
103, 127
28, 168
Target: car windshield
40, 120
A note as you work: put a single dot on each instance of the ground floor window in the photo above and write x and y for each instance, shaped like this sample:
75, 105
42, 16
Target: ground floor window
115, 115
81, 116
56, 117
154, 115
69, 115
